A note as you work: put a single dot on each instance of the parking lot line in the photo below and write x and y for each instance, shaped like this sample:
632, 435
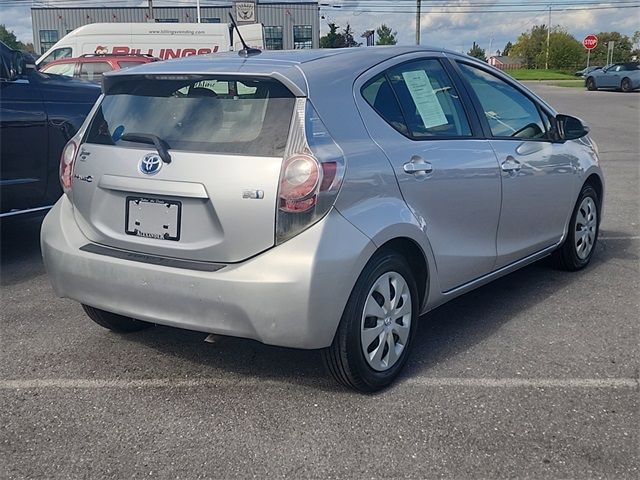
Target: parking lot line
70, 383
628, 237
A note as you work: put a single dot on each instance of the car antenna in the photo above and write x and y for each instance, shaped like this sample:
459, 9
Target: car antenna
246, 51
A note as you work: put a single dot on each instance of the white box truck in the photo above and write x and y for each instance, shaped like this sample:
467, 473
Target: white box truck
162, 40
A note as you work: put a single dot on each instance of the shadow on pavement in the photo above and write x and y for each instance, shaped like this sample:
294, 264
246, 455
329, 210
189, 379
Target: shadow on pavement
20, 258
443, 333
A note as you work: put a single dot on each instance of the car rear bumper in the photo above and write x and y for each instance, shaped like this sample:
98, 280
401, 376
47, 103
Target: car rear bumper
292, 295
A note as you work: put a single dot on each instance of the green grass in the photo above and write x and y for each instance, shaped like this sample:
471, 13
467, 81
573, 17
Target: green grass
539, 74
568, 83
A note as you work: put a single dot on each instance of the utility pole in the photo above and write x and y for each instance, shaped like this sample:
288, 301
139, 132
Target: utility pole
418, 5
151, 10
546, 62
198, 9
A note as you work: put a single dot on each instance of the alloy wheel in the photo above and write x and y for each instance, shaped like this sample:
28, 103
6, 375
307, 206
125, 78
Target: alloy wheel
585, 228
386, 321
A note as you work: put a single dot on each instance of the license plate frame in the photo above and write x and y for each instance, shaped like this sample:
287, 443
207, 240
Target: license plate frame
157, 225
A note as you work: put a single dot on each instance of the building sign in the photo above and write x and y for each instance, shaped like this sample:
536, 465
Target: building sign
246, 12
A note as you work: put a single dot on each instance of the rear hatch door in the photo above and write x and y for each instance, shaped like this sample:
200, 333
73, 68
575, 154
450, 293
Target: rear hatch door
214, 199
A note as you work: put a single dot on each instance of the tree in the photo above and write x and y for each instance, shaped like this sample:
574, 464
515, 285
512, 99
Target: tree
507, 48
621, 51
564, 50
335, 39
477, 52
386, 36
349, 41
530, 46
332, 39
10, 39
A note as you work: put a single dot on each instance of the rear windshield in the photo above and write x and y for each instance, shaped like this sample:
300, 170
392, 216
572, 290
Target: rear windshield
247, 116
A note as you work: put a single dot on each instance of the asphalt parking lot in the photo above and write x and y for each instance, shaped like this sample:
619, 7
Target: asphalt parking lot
534, 375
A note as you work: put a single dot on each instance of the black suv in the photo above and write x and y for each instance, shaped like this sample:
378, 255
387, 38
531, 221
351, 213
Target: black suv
39, 113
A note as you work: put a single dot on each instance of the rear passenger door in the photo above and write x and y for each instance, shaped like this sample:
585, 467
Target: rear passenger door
538, 173
23, 143
447, 173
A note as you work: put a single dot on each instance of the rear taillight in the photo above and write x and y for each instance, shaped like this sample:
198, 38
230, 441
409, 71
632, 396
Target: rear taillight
67, 160
311, 174
299, 185
70, 152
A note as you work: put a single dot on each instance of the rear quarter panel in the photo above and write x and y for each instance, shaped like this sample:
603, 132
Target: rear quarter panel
370, 197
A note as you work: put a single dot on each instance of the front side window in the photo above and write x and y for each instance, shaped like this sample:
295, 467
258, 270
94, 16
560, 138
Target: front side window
243, 116
93, 71
65, 69
419, 100
508, 111
273, 38
48, 38
302, 36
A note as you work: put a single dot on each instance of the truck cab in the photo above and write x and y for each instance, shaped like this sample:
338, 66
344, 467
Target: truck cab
39, 113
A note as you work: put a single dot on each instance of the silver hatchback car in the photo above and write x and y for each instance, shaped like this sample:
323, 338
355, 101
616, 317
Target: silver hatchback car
315, 199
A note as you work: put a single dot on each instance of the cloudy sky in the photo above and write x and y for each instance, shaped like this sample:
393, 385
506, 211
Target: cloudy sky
455, 24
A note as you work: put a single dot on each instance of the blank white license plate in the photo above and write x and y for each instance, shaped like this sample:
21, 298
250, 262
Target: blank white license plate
153, 218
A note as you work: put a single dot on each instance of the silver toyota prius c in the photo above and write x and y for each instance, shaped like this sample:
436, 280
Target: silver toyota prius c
319, 199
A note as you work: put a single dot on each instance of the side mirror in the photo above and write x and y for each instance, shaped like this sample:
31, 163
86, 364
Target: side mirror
570, 128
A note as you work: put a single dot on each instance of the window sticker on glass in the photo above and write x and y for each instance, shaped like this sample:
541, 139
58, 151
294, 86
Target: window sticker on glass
425, 98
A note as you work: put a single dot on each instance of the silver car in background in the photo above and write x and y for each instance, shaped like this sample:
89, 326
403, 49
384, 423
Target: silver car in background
315, 199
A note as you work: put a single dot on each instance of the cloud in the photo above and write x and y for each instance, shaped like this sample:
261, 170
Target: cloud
456, 31
18, 19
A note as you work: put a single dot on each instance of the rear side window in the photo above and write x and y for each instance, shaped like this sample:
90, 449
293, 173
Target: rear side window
378, 93
508, 111
244, 116
93, 71
419, 100
429, 101
129, 63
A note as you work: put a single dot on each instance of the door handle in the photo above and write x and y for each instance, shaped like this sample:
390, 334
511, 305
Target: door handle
417, 166
510, 165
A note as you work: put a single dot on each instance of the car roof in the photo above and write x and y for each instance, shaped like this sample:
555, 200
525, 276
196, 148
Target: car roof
290, 66
346, 57
98, 58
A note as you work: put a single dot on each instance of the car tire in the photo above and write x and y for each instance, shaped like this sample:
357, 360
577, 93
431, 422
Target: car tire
385, 331
577, 249
591, 84
625, 85
115, 322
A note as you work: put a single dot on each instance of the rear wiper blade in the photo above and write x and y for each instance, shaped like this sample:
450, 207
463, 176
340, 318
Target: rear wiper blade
161, 145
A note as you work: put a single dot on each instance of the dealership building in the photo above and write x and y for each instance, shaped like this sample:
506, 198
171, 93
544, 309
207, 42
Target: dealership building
287, 25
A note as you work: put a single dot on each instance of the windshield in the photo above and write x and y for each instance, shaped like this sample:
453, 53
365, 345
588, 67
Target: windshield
57, 54
246, 116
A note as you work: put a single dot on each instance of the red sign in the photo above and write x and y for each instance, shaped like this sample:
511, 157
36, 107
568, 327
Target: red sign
590, 42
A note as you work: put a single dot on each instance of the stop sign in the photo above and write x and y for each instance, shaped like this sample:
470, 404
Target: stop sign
590, 42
